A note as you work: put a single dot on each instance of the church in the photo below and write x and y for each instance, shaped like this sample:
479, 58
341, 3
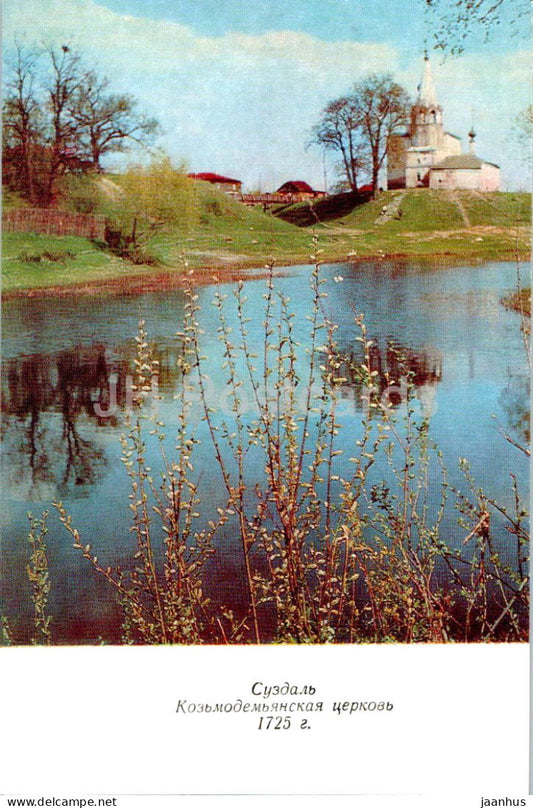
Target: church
427, 156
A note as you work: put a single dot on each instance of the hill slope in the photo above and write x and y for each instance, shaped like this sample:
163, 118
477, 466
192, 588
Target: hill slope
421, 209
422, 222
191, 223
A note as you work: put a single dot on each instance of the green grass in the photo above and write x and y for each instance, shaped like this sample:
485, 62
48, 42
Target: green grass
246, 237
237, 233
498, 209
88, 264
425, 210
210, 230
432, 224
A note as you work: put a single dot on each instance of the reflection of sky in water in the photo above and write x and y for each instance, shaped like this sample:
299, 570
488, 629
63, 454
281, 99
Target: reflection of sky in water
58, 355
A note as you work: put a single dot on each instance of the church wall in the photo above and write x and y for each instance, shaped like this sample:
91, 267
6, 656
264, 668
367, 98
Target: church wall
486, 178
416, 176
466, 178
490, 178
452, 145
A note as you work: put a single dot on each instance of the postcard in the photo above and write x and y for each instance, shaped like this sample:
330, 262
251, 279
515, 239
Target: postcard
265, 402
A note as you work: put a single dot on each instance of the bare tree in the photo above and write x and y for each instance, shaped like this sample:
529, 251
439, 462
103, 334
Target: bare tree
60, 88
21, 122
37, 124
453, 21
340, 130
359, 125
384, 108
106, 122
59, 118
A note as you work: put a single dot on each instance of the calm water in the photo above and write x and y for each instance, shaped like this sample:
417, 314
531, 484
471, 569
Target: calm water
62, 357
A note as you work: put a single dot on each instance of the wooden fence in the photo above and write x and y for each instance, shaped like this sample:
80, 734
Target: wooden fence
55, 222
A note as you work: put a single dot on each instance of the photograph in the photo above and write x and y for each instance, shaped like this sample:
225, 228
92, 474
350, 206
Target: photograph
265, 373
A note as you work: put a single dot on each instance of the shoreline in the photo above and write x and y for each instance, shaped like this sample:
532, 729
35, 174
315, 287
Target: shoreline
160, 279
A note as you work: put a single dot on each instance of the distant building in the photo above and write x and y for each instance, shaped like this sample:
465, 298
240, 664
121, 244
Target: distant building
298, 191
465, 171
225, 184
428, 156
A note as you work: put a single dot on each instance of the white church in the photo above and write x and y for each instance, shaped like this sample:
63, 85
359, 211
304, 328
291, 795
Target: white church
428, 157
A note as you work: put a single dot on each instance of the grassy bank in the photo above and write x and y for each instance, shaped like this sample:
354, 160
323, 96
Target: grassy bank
520, 301
213, 233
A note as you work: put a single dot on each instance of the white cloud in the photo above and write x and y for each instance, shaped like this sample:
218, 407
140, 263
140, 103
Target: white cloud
151, 45
244, 104
224, 102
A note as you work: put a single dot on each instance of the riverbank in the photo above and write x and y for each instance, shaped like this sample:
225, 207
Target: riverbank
156, 281
229, 240
519, 302
127, 279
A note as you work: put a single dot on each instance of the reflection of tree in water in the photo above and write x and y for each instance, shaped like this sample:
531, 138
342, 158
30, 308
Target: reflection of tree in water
396, 367
82, 380
35, 391
514, 400
52, 405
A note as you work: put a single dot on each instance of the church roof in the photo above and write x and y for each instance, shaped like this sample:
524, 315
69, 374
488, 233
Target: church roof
427, 97
462, 161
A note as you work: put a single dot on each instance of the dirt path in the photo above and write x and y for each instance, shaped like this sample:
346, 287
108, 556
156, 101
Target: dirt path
454, 199
390, 211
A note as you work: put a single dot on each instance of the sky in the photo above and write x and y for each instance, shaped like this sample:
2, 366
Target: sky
237, 85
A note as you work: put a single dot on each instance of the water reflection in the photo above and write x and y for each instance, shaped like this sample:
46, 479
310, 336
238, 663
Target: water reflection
396, 369
67, 361
47, 401
54, 407
514, 399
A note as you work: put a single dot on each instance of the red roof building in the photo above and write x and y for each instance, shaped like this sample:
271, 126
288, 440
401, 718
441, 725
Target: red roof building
298, 190
226, 184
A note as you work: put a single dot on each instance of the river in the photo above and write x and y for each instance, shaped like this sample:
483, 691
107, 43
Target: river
62, 357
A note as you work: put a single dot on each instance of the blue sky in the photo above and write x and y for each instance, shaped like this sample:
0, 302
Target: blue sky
400, 22
334, 20
238, 84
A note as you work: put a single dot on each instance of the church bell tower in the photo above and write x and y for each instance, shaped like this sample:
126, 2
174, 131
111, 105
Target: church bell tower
426, 129
428, 142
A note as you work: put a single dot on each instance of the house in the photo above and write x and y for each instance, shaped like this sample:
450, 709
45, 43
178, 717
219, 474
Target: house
226, 184
428, 156
465, 171
298, 191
